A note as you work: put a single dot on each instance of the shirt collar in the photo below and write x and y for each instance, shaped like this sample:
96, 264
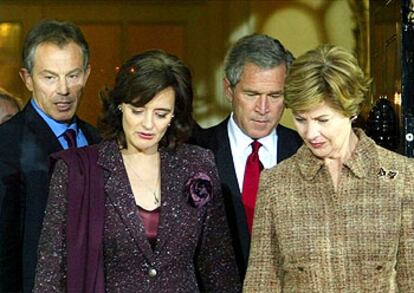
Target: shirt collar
243, 141
362, 163
58, 128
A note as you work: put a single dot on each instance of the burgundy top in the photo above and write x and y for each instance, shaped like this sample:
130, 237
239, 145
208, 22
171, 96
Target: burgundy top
151, 220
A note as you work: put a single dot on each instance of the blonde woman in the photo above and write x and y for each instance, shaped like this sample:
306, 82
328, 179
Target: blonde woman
340, 218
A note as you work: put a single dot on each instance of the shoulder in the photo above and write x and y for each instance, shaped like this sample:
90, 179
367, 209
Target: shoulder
194, 152
11, 142
207, 137
285, 173
91, 131
16, 123
77, 158
390, 160
287, 133
285, 168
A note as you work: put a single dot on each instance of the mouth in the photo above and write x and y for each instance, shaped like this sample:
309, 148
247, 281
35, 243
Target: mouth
316, 145
258, 121
64, 106
145, 135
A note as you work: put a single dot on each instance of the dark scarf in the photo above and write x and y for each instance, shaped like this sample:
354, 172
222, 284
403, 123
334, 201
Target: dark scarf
85, 222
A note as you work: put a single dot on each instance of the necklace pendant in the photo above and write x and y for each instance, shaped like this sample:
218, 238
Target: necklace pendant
156, 199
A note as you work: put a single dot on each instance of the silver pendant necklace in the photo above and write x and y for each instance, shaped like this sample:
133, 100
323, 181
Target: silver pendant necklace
157, 199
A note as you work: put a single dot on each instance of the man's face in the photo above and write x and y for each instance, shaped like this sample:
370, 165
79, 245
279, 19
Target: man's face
257, 99
7, 110
57, 79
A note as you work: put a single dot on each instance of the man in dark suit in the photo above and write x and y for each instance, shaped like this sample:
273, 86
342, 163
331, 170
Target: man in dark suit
255, 69
55, 70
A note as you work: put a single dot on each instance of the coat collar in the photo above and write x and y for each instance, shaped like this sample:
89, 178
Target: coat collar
119, 193
363, 162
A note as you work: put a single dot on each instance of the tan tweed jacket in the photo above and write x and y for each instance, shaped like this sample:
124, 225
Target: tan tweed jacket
307, 237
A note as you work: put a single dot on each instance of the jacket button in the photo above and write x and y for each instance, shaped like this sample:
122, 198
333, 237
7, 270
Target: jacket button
152, 272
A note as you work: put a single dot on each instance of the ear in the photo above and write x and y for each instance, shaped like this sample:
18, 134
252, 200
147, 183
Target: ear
26, 78
228, 90
87, 72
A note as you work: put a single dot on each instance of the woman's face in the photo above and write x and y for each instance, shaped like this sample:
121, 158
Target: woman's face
144, 127
325, 131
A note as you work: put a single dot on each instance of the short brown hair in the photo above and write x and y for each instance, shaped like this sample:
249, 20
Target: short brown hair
326, 74
137, 82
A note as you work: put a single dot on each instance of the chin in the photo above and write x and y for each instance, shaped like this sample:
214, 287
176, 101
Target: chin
64, 119
259, 134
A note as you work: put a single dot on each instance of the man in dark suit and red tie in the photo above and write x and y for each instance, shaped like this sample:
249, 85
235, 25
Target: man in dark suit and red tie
250, 139
55, 70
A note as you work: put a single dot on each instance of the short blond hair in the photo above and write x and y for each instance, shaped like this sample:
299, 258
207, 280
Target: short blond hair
326, 74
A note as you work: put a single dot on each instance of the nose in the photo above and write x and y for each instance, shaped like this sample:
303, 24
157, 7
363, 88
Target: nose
63, 88
147, 123
262, 104
312, 131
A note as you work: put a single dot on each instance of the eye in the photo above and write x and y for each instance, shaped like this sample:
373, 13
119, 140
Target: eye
161, 114
251, 94
74, 76
49, 77
323, 120
299, 119
276, 96
137, 111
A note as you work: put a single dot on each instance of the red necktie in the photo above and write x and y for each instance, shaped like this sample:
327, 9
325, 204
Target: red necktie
251, 183
70, 136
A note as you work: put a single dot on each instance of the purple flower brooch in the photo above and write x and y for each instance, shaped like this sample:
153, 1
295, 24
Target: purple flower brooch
199, 190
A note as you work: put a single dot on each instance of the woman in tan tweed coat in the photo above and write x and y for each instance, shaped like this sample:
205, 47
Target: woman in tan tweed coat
338, 216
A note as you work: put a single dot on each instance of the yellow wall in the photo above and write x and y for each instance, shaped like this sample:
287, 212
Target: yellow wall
300, 25
206, 28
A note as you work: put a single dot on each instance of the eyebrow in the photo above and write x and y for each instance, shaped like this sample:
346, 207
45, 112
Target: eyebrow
47, 71
257, 92
317, 117
156, 109
163, 109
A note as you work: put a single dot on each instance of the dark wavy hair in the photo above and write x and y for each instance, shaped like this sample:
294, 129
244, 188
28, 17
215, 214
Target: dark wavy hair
139, 79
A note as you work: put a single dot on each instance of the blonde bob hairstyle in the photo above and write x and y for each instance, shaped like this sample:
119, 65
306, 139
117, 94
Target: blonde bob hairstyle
326, 74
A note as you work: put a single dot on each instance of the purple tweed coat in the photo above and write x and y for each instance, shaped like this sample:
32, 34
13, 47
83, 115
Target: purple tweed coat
193, 252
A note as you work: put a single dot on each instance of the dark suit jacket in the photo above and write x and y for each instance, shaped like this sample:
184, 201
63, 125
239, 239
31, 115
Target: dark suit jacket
193, 251
26, 142
216, 138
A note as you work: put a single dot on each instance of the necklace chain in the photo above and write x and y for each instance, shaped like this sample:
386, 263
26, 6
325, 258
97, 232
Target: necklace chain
157, 199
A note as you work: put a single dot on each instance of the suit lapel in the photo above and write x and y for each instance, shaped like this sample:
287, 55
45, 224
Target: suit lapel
287, 143
170, 198
224, 159
40, 132
119, 194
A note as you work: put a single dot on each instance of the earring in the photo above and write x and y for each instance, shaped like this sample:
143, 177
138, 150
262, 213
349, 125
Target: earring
120, 108
353, 118
169, 124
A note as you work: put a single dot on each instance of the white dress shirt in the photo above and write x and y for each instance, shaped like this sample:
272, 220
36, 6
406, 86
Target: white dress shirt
241, 148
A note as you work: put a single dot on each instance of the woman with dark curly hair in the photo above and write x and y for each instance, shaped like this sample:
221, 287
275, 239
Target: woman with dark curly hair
141, 211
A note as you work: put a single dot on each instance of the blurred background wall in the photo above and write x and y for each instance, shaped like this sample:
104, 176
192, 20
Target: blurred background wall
198, 31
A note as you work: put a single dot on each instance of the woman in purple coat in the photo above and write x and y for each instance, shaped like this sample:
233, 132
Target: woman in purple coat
141, 211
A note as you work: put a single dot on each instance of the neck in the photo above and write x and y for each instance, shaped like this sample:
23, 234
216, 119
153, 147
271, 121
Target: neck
345, 152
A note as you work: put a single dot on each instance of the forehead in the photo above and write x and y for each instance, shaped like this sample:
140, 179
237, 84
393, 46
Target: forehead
322, 109
253, 75
163, 99
52, 55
